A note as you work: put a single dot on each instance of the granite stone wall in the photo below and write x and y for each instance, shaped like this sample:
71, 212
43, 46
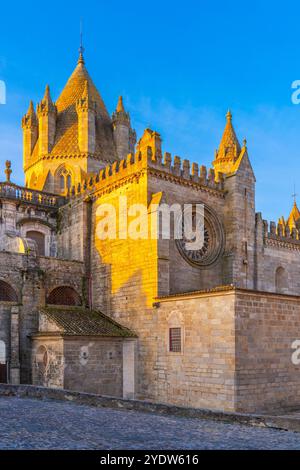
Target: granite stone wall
94, 365
266, 325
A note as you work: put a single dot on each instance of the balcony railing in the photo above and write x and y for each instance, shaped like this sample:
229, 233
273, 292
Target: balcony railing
31, 196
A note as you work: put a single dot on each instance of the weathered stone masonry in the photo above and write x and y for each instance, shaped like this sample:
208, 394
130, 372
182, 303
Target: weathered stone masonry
142, 317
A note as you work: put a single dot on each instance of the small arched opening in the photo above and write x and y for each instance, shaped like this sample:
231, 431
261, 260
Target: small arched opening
281, 280
64, 295
63, 179
7, 293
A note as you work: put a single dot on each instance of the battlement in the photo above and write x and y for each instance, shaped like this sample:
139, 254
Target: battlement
278, 232
181, 170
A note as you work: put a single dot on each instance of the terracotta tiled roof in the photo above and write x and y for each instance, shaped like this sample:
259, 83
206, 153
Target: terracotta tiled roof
83, 322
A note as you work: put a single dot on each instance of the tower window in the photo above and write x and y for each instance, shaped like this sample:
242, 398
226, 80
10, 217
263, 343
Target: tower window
175, 339
64, 180
62, 183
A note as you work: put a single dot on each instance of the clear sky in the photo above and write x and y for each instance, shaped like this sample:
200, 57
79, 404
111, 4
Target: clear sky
179, 66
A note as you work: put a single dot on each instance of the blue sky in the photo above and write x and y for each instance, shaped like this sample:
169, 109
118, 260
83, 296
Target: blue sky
179, 66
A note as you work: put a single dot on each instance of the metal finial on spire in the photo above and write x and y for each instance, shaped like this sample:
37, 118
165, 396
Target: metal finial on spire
228, 115
295, 194
81, 48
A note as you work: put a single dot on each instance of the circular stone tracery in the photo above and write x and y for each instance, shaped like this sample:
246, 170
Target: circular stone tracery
213, 241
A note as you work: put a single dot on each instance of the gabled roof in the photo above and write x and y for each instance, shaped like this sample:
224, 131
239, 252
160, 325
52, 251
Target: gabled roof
78, 321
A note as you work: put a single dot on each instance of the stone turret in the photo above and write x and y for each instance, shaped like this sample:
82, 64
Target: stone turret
46, 111
69, 139
86, 112
124, 136
30, 133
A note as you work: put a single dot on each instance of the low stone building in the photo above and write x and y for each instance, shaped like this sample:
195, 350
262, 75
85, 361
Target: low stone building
81, 349
142, 316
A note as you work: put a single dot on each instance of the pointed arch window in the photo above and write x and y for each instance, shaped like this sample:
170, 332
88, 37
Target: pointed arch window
62, 183
64, 180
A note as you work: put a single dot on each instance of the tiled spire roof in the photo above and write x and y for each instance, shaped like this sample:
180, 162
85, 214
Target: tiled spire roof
66, 136
229, 145
294, 217
74, 90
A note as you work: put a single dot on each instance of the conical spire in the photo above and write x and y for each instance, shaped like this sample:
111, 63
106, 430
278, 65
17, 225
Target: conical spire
31, 111
229, 149
120, 116
29, 119
47, 96
294, 217
229, 145
46, 105
120, 106
74, 90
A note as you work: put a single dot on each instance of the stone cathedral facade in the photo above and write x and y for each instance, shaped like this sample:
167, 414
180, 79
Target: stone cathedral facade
144, 317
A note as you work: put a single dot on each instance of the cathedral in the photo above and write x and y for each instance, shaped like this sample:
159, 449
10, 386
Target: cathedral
142, 317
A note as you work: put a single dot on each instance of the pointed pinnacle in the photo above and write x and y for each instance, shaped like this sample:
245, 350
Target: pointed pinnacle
47, 95
85, 93
120, 105
31, 108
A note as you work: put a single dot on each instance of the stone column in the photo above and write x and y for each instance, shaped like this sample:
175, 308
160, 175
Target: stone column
14, 347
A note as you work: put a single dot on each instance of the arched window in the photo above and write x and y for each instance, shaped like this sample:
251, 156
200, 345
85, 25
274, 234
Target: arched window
64, 179
64, 295
7, 293
281, 280
62, 183
39, 238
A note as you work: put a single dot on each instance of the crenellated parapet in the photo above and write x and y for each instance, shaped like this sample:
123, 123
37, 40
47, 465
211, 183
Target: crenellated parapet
279, 235
149, 160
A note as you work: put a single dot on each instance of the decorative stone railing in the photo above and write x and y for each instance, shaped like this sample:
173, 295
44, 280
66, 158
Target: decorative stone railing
12, 191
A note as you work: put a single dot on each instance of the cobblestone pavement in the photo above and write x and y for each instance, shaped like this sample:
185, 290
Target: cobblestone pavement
47, 424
